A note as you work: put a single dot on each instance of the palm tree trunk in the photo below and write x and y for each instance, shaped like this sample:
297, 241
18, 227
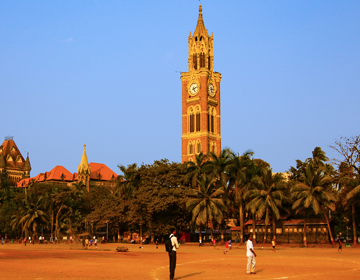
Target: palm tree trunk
274, 227
328, 224
354, 223
241, 215
57, 221
52, 223
305, 243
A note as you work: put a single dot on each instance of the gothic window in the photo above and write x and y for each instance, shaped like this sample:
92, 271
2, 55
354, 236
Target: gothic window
198, 119
195, 60
198, 147
209, 62
191, 148
192, 120
212, 121
202, 60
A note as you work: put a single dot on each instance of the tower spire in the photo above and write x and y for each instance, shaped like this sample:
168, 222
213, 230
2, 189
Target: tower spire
200, 27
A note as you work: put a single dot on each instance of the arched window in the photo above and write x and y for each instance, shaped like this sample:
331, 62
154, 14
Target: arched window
198, 147
195, 60
202, 60
191, 120
212, 120
191, 148
198, 127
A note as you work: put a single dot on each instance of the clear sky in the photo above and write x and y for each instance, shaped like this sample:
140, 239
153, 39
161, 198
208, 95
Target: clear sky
104, 73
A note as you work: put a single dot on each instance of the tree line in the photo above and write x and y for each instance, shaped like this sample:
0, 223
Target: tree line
197, 195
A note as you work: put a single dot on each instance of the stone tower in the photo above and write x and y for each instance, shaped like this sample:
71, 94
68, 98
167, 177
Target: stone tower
83, 171
200, 97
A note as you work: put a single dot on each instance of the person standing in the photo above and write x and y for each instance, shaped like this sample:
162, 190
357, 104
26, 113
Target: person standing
251, 262
273, 245
172, 254
200, 241
230, 244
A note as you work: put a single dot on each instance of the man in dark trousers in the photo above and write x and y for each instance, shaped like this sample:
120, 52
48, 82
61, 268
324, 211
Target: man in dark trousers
172, 254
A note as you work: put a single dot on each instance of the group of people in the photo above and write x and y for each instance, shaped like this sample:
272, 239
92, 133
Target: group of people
91, 242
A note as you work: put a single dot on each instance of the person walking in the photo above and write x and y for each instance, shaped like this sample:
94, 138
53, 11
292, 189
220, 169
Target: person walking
226, 247
172, 254
230, 244
200, 241
251, 262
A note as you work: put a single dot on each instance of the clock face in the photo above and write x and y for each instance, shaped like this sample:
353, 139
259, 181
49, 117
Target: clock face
211, 89
194, 88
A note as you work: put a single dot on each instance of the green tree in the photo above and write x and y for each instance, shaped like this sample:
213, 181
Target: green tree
207, 204
239, 170
314, 188
267, 197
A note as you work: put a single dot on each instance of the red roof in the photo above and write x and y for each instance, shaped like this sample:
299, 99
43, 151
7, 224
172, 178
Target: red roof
59, 173
100, 171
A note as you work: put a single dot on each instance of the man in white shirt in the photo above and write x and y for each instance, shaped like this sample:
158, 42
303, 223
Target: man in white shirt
172, 254
251, 262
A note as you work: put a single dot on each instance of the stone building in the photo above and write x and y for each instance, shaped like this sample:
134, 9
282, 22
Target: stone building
201, 130
13, 166
90, 174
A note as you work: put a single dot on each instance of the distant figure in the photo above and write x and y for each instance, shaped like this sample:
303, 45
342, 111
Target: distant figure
2, 240
172, 254
157, 243
95, 242
200, 242
86, 242
251, 262
51, 240
340, 245
226, 247
273, 245
230, 244
214, 243
91, 242
25, 239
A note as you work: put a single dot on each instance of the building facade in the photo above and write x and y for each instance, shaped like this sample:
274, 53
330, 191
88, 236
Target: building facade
13, 166
201, 118
90, 174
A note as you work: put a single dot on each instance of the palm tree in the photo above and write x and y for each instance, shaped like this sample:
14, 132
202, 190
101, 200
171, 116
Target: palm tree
195, 169
128, 183
239, 171
218, 168
267, 197
314, 191
207, 203
33, 215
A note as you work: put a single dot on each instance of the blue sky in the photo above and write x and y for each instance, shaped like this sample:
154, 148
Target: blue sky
104, 73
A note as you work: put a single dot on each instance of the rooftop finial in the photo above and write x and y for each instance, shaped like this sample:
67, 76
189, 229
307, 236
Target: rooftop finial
200, 9
84, 146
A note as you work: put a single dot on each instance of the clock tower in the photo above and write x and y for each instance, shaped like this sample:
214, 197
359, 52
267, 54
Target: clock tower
200, 97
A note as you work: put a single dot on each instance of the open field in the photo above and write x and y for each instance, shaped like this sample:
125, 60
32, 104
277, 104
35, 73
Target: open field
59, 262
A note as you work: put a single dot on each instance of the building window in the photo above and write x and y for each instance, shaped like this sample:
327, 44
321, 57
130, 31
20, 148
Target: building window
191, 148
191, 120
198, 119
202, 60
198, 147
195, 60
278, 230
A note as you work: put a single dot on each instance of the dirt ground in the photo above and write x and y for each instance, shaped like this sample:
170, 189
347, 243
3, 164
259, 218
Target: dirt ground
60, 262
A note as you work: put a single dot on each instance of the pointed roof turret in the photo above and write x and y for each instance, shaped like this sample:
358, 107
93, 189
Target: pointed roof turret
84, 165
200, 27
27, 163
